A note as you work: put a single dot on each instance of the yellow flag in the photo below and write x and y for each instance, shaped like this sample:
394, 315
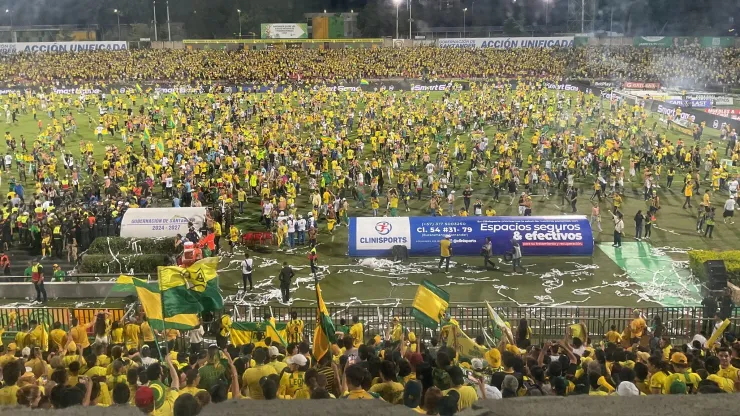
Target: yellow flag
717, 333
463, 344
201, 273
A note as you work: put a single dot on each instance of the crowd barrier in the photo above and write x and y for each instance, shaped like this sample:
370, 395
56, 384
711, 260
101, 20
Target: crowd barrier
547, 323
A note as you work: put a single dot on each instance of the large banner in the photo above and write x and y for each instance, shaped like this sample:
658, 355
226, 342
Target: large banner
725, 112
538, 236
35, 47
161, 222
284, 31
695, 103
639, 85
696, 116
683, 42
507, 43
715, 99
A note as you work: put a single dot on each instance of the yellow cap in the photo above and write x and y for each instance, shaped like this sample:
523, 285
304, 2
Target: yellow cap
12, 347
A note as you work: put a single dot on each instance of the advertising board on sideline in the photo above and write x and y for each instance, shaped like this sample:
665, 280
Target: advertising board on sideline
538, 236
161, 222
508, 43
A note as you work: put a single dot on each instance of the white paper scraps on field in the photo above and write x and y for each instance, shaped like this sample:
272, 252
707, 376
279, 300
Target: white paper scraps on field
666, 230
662, 251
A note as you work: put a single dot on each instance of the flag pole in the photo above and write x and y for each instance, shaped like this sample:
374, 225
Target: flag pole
164, 318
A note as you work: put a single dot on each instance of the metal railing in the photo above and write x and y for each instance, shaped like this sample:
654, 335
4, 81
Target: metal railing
547, 323
80, 277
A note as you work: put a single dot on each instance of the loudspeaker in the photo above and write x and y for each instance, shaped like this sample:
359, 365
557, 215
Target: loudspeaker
716, 274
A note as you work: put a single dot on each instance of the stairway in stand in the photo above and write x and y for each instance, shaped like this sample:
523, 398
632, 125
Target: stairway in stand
20, 256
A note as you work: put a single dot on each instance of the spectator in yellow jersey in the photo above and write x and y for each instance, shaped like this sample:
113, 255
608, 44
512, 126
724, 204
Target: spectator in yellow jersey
357, 331
294, 329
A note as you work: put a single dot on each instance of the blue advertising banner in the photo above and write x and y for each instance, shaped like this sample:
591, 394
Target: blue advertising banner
538, 236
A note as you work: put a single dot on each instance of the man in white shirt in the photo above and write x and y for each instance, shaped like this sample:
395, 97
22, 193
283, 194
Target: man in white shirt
732, 186
196, 339
247, 265
618, 229
301, 229
291, 231
266, 211
729, 210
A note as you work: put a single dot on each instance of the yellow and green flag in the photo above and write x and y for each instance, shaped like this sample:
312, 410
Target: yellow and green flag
138, 88
430, 304
463, 344
146, 133
202, 281
363, 81
500, 329
168, 301
243, 333
324, 334
124, 283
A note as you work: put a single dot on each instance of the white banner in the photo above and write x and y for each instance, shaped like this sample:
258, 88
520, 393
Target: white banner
382, 233
715, 98
161, 222
34, 47
507, 43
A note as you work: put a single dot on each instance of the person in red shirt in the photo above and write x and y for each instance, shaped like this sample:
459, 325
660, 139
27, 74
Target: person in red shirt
37, 277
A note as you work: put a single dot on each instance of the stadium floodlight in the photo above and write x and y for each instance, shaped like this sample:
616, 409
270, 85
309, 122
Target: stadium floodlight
547, 12
239, 11
465, 11
118, 16
398, 4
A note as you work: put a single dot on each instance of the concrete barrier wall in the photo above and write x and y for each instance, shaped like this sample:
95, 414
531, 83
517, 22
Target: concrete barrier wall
62, 290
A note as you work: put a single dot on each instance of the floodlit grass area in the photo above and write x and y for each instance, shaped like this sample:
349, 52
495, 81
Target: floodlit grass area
607, 278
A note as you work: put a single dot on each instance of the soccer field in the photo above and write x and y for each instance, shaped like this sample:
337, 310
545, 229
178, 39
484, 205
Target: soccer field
642, 272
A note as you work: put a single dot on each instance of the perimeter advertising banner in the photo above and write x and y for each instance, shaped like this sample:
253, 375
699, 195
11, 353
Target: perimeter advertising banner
284, 31
507, 43
538, 236
36, 47
703, 103
161, 222
683, 42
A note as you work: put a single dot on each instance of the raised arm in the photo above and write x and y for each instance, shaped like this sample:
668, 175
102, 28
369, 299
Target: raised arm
235, 393
174, 380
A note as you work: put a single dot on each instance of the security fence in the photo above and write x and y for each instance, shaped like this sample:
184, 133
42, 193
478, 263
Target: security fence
547, 323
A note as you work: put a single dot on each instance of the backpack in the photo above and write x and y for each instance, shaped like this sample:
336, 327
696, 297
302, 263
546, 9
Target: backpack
679, 385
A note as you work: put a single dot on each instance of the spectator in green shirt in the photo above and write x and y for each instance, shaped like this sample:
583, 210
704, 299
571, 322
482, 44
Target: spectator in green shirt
28, 272
59, 274
342, 328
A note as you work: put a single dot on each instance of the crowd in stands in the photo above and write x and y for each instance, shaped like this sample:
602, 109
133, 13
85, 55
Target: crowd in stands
124, 365
670, 65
